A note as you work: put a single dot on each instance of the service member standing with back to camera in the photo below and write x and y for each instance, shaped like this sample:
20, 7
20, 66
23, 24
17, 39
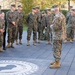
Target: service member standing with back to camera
56, 28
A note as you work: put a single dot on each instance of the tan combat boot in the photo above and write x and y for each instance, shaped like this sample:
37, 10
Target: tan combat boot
56, 65
65, 41
71, 40
48, 42
28, 43
34, 43
17, 42
12, 45
1, 50
20, 42
52, 63
68, 39
8, 45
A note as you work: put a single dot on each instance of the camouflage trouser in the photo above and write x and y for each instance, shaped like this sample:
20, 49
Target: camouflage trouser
1, 39
29, 31
70, 33
48, 33
57, 48
19, 32
64, 36
41, 33
39, 30
11, 34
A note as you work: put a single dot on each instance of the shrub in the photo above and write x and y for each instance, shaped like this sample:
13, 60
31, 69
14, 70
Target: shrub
64, 12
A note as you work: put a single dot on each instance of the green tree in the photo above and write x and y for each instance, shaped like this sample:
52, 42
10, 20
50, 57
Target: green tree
27, 5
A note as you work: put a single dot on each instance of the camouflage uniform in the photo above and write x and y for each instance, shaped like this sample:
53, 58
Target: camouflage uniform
70, 27
32, 26
2, 26
56, 28
67, 18
64, 29
43, 25
20, 26
12, 16
39, 24
49, 19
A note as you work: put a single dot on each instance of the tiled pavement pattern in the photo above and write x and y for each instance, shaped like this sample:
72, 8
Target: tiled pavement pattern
41, 55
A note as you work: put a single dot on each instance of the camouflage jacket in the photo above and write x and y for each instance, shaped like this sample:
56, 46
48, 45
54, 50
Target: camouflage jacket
43, 21
71, 21
2, 23
56, 26
21, 18
49, 19
12, 16
38, 14
67, 17
31, 19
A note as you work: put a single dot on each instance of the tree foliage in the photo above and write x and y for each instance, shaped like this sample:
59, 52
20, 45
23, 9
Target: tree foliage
28, 4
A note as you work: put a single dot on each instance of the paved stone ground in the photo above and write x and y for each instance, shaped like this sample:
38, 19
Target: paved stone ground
41, 55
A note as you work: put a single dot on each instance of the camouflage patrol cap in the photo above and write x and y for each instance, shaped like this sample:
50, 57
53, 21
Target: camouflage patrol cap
37, 7
20, 6
43, 12
33, 8
48, 9
55, 6
13, 5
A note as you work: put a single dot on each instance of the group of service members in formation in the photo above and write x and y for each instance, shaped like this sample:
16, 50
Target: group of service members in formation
57, 27
13, 21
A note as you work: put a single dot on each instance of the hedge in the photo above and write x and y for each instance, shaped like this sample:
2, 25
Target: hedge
64, 12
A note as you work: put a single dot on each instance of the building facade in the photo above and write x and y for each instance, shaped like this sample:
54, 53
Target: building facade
6, 3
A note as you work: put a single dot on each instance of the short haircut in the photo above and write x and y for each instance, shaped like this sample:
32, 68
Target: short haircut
13, 5
20, 6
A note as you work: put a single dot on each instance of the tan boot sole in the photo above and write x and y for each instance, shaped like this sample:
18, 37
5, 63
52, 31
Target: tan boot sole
8, 46
53, 67
1, 50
